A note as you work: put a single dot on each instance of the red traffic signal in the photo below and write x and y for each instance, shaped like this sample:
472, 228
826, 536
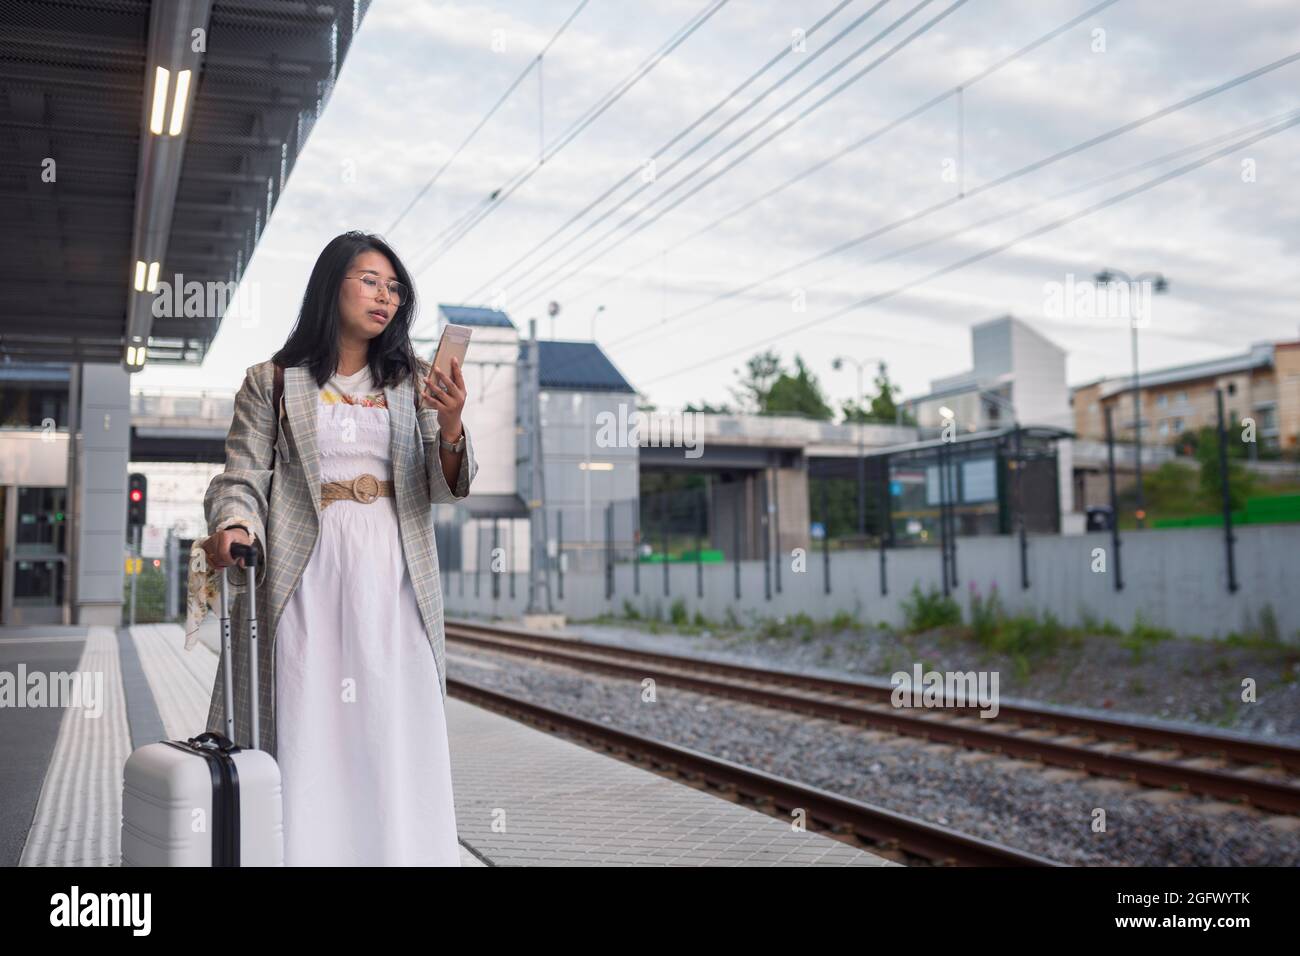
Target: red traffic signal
136, 500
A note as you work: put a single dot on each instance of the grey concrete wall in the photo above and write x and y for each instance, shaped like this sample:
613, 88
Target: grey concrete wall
1175, 578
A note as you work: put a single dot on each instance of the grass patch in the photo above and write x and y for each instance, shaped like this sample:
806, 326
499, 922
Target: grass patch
780, 628
1089, 624
1143, 638
1022, 637
844, 621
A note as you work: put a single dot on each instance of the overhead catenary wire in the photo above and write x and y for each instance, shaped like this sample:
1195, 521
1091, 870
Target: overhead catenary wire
994, 250
481, 209
497, 196
550, 279
1018, 210
1031, 167
1271, 126
979, 190
784, 52
535, 62
856, 145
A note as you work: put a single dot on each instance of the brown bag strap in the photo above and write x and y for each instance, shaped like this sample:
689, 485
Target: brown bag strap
276, 392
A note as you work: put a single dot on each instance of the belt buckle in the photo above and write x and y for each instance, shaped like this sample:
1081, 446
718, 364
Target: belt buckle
365, 488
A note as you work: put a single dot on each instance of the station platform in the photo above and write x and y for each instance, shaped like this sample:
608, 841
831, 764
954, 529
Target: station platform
523, 797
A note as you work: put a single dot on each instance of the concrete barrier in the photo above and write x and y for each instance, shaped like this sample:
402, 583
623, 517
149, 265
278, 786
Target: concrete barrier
1175, 579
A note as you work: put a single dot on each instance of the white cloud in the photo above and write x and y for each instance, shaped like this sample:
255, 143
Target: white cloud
420, 76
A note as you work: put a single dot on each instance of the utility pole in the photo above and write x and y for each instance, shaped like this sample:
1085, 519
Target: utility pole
539, 576
837, 364
1160, 285
1137, 431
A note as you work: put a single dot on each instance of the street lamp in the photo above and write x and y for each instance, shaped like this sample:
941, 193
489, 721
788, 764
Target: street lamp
599, 309
1160, 285
838, 364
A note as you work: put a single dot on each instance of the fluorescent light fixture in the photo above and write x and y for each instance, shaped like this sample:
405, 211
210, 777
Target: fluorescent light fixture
139, 276
152, 284
595, 466
179, 104
161, 80
946, 412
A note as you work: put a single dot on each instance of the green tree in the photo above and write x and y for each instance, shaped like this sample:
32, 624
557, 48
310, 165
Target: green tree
1239, 480
760, 372
1190, 442
708, 409
799, 393
883, 408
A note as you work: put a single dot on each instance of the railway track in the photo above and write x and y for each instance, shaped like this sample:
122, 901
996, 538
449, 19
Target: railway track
869, 827
1223, 766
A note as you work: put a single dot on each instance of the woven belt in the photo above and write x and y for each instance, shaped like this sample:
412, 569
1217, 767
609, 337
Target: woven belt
363, 488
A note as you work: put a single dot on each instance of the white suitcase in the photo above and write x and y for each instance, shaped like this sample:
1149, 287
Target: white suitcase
206, 801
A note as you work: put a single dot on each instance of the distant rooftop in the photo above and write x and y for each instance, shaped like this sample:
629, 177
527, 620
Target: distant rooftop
578, 366
1259, 356
475, 315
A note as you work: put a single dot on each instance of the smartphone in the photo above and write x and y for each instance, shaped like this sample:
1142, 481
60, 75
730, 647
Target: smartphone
454, 342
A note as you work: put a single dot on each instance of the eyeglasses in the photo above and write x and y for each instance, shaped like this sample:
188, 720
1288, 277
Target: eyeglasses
397, 292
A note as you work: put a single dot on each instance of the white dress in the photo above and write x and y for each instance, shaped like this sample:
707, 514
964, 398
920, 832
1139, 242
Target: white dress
360, 728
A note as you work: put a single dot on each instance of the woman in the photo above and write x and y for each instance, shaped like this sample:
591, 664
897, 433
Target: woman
352, 677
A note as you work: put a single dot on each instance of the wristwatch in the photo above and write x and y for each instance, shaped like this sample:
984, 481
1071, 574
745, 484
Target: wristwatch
457, 445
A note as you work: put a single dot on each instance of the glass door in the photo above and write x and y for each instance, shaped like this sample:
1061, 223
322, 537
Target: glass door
35, 572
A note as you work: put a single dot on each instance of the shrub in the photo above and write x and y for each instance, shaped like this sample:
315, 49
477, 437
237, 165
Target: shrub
1051, 629
1021, 636
985, 614
804, 623
678, 613
1268, 628
929, 610
630, 612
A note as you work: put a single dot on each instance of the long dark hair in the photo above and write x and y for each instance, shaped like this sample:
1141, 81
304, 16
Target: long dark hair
314, 339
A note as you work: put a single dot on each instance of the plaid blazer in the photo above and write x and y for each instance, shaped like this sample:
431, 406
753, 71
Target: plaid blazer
283, 517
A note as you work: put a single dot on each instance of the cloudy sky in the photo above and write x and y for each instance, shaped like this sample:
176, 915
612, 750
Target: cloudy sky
684, 306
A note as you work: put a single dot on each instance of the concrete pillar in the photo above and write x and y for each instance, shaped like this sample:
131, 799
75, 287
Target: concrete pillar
102, 460
792, 489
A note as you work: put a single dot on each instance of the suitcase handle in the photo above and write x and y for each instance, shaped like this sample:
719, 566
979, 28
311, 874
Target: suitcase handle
249, 555
212, 741
246, 551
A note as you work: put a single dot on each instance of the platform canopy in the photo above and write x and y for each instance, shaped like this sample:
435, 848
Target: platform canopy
140, 141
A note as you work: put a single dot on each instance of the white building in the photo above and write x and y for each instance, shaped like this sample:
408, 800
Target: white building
579, 393
1017, 377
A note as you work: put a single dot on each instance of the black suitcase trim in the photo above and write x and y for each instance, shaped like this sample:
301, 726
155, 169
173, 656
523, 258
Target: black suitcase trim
217, 751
